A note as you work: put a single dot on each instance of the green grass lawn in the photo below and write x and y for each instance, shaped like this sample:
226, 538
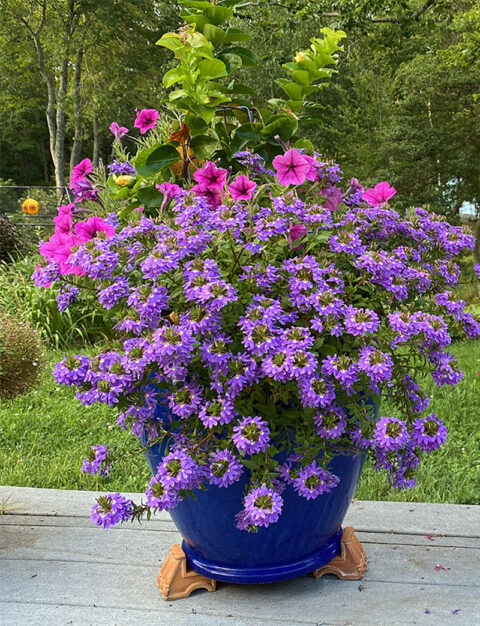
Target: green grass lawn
45, 434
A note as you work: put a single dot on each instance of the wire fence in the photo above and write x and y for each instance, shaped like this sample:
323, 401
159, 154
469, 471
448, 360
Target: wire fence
37, 224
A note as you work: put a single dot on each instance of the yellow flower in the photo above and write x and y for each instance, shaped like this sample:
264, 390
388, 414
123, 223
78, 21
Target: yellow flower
300, 56
30, 206
124, 180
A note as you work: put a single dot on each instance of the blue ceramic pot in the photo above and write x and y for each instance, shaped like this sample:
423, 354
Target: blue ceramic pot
306, 536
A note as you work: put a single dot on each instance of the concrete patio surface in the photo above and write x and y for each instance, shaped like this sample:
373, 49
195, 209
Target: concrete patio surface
57, 568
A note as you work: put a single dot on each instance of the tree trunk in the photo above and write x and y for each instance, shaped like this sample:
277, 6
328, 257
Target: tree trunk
96, 141
76, 155
60, 124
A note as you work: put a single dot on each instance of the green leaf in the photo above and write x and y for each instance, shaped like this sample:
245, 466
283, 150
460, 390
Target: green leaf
211, 68
203, 146
250, 131
232, 62
153, 159
236, 34
149, 196
283, 125
301, 76
196, 4
214, 34
198, 19
172, 43
293, 90
304, 144
248, 57
217, 14
240, 88
173, 76
196, 125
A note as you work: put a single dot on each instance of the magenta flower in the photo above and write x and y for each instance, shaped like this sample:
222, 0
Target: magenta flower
296, 232
210, 176
212, 194
312, 173
63, 221
146, 119
169, 190
333, 197
90, 229
292, 167
242, 188
118, 131
80, 171
380, 194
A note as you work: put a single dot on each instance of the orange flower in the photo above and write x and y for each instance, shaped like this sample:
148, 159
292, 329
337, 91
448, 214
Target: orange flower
30, 206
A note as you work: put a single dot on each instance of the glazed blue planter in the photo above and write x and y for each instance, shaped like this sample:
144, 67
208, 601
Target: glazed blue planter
306, 536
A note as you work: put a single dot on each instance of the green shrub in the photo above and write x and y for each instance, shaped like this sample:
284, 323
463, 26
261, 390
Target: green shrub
13, 243
19, 296
20, 356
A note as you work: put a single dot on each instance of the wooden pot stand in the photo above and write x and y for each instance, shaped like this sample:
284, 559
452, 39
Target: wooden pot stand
176, 580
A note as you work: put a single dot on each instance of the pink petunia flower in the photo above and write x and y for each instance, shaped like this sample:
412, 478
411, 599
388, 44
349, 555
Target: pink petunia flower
63, 221
292, 167
242, 188
80, 171
379, 195
169, 190
118, 131
210, 176
297, 231
333, 197
213, 194
146, 119
312, 173
90, 229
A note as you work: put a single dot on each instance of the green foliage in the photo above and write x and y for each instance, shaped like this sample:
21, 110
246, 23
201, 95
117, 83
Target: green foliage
38, 307
13, 243
20, 356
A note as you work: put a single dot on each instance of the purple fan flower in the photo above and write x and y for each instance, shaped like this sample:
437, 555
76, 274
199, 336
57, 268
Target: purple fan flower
429, 433
330, 423
252, 435
161, 497
224, 468
110, 510
187, 400
179, 471
390, 434
97, 461
71, 370
313, 481
262, 506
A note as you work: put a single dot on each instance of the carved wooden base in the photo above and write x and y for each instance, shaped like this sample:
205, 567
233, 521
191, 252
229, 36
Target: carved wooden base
351, 563
176, 581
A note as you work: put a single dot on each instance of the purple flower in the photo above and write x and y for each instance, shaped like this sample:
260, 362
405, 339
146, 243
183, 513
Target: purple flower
161, 497
186, 401
97, 461
118, 131
429, 433
110, 510
377, 365
292, 168
179, 471
66, 297
71, 370
296, 232
146, 119
476, 267
330, 423
360, 321
215, 412
342, 368
120, 168
313, 481
251, 435
262, 506
224, 468
390, 434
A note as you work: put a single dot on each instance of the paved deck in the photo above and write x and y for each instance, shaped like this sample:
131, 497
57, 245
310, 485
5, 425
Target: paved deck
56, 568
